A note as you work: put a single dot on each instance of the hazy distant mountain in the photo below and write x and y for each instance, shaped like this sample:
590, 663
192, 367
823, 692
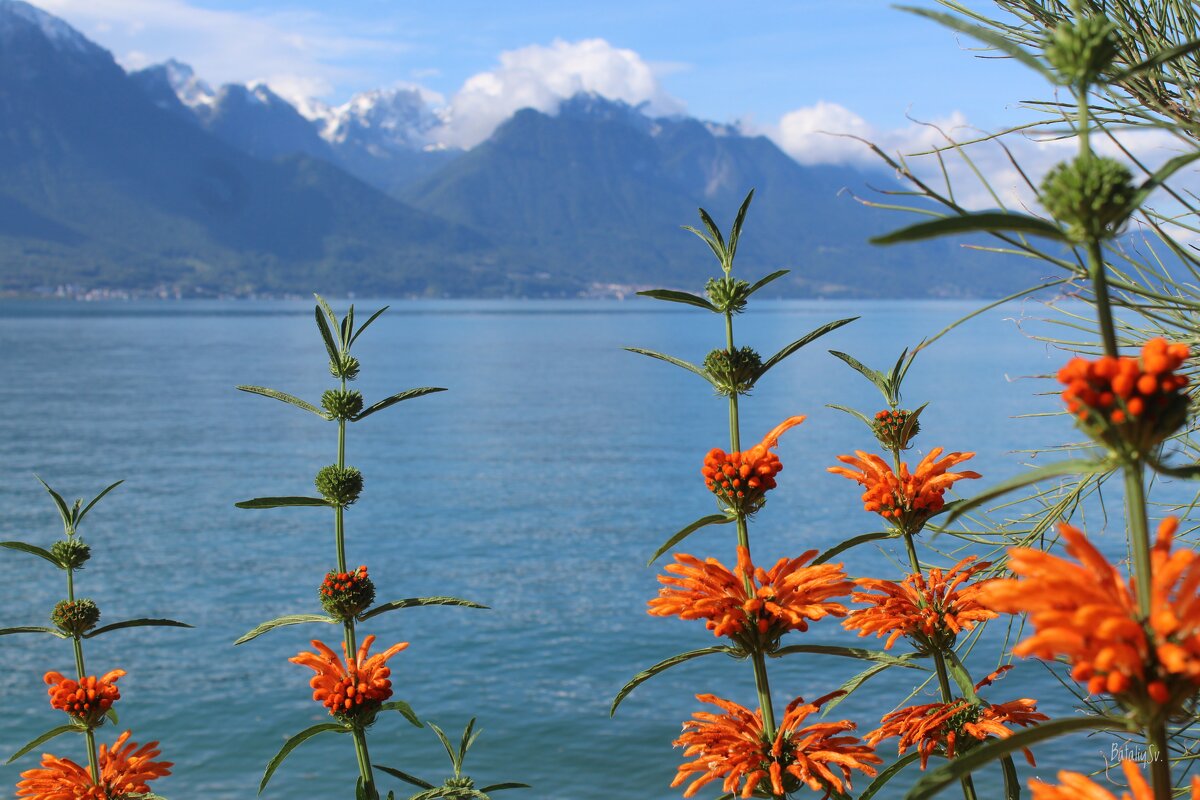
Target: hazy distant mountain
155, 180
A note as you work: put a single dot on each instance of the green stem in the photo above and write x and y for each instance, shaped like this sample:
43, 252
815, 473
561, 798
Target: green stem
80, 672
1098, 272
364, 763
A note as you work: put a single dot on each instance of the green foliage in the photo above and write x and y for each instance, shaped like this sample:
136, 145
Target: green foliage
280, 622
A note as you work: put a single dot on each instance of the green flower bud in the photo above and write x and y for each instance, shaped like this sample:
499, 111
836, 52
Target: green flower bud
344, 367
1093, 196
728, 294
75, 617
462, 782
733, 373
342, 403
1081, 51
889, 427
71, 553
345, 595
341, 486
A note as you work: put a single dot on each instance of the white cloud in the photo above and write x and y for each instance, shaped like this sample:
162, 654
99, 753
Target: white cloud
541, 77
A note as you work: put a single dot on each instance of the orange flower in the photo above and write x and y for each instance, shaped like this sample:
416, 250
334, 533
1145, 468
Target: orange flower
741, 480
733, 748
930, 613
752, 606
125, 769
1087, 613
949, 728
908, 499
351, 691
86, 700
1128, 399
1080, 787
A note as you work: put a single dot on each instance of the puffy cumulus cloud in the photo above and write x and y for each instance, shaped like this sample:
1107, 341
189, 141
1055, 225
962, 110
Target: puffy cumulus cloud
822, 134
541, 77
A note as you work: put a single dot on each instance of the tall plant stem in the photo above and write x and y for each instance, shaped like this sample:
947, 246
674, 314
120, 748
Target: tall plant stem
93, 762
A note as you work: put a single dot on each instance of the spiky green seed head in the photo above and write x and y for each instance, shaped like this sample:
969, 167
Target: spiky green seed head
1083, 50
72, 553
728, 294
463, 782
341, 486
344, 367
342, 403
1091, 195
77, 617
735, 372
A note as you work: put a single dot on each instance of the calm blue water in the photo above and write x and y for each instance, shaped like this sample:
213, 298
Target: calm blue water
538, 485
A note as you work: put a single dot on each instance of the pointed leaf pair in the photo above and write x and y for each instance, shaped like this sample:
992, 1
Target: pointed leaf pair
280, 622
72, 516
416, 602
662, 666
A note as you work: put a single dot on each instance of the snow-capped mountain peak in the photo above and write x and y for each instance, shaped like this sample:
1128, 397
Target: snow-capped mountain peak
398, 118
191, 91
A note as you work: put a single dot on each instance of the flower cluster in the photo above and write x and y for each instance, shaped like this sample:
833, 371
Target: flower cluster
750, 605
1074, 786
732, 747
125, 770
895, 428
1087, 613
87, 699
345, 595
910, 498
1129, 401
75, 617
354, 691
742, 479
929, 612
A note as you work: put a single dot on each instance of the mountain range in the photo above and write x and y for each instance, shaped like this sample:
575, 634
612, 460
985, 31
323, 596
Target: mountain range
154, 182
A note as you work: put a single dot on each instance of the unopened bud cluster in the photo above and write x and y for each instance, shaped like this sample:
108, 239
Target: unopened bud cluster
345, 366
343, 404
345, 595
728, 294
1091, 195
895, 428
75, 617
71, 553
1083, 50
733, 372
341, 486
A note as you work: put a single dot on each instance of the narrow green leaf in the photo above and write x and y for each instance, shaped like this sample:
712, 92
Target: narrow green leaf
718, 249
1191, 472
32, 629
853, 541
850, 685
284, 397
468, 739
908, 660
988, 37
735, 233
136, 623
886, 775
671, 360
958, 672
679, 297
79, 517
33, 549
404, 776
64, 511
713, 230
712, 519
647, 674
397, 398
294, 742
446, 744
45, 737
112, 716
496, 787
282, 502
964, 764
852, 412
1157, 60
280, 622
405, 709
1012, 781
415, 602
809, 337
982, 222
366, 324
1161, 175
1056, 470
878, 379
764, 281
327, 336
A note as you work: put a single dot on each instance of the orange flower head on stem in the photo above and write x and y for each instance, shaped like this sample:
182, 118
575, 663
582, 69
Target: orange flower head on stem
1074, 786
1130, 403
741, 480
909, 499
785, 598
354, 691
86, 700
345, 595
125, 769
1084, 611
951, 728
732, 747
930, 613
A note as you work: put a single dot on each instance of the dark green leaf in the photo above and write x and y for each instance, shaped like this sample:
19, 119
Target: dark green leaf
879, 656
284, 397
33, 550
878, 379
331, 346
866, 420
982, 222
713, 231
112, 716
679, 297
279, 622
887, 774
496, 787
282, 502
712, 519
32, 629
79, 517
397, 398
735, 233
45, 737
647, 674
415, 602
854, 541
446, 744
763, 282
404, 776
366, 324
294, 742
1157, 60
405, 709
64, 511
1012, 782
964, 764
1190, 472
1161, 175
809, 337
852, 684
718, 249
988, 37
958, 672
136, 623
671, 360
468, 739
1056, 470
